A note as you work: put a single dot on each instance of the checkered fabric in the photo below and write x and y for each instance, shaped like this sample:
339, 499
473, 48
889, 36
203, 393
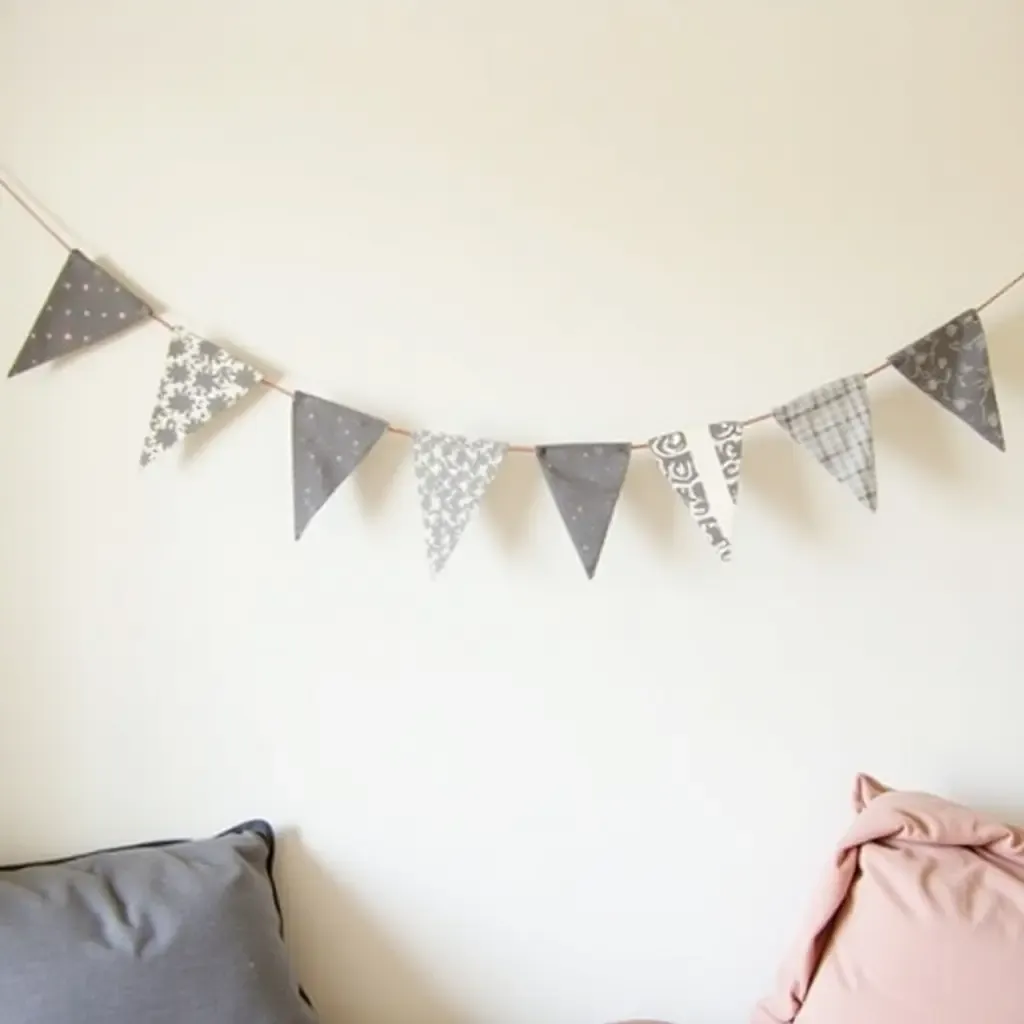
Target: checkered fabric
833, 423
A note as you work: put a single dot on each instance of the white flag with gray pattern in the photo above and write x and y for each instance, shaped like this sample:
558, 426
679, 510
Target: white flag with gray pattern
833, 423
200, 380
703, 467
452, 475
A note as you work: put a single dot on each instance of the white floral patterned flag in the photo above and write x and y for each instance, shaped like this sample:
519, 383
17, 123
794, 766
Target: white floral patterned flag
85, 306
452, 474
200, 380
703, 467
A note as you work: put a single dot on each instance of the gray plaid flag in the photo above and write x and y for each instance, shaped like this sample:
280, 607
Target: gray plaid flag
833, 423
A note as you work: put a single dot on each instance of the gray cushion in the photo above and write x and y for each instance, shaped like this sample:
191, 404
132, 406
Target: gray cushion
169, 933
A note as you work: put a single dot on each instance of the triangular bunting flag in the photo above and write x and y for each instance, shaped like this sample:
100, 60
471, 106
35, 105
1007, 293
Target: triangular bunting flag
328, 442
951, 364
85, 305
452, 474
585, 480
703, 467
833, 423
200, 380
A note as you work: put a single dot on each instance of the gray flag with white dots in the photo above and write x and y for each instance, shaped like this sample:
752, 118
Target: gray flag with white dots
328, 442
85, 305
585, 480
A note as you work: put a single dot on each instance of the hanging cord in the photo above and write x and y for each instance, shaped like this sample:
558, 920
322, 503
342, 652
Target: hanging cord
32, 210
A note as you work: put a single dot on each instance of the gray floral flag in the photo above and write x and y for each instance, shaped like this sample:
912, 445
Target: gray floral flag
85, 305
585, 480
452, 474
200, 380
833, 423
703, 468
951, 364
328, 442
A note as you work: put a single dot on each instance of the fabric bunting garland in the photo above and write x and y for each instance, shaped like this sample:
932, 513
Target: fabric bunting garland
200, 380
951, 364
328, 442
585, 480
452, 474
833, 423
85, 305
703, 468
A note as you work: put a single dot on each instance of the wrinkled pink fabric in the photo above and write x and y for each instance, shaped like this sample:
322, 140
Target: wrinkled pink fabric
919, 921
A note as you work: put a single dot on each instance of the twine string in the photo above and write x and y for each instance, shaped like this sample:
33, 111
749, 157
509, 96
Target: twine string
33, 210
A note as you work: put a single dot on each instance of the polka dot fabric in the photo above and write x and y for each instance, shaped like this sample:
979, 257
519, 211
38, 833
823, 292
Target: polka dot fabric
328, 442
585, 480
86, 305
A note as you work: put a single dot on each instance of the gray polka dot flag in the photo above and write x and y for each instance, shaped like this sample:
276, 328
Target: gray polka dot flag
85, 305
833, 423
328, 442
951, 365
199, 381
585, 481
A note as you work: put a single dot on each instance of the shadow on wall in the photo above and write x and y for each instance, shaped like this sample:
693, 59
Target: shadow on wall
375, 476
780, 475
352, 970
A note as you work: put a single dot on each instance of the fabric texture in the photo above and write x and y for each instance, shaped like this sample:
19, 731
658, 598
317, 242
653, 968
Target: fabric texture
585, 481
85, 305
951, 365
833, 423
703, 468
452, 475
199, 381
328, 442
173, 933
920, 920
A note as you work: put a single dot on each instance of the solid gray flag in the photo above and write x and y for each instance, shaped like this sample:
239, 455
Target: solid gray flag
328, 442
951, 364
85, 305
585, 480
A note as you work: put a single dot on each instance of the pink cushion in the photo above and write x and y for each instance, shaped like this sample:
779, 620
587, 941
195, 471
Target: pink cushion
920, 919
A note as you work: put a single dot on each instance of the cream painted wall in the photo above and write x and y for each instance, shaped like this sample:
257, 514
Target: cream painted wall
511, 795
